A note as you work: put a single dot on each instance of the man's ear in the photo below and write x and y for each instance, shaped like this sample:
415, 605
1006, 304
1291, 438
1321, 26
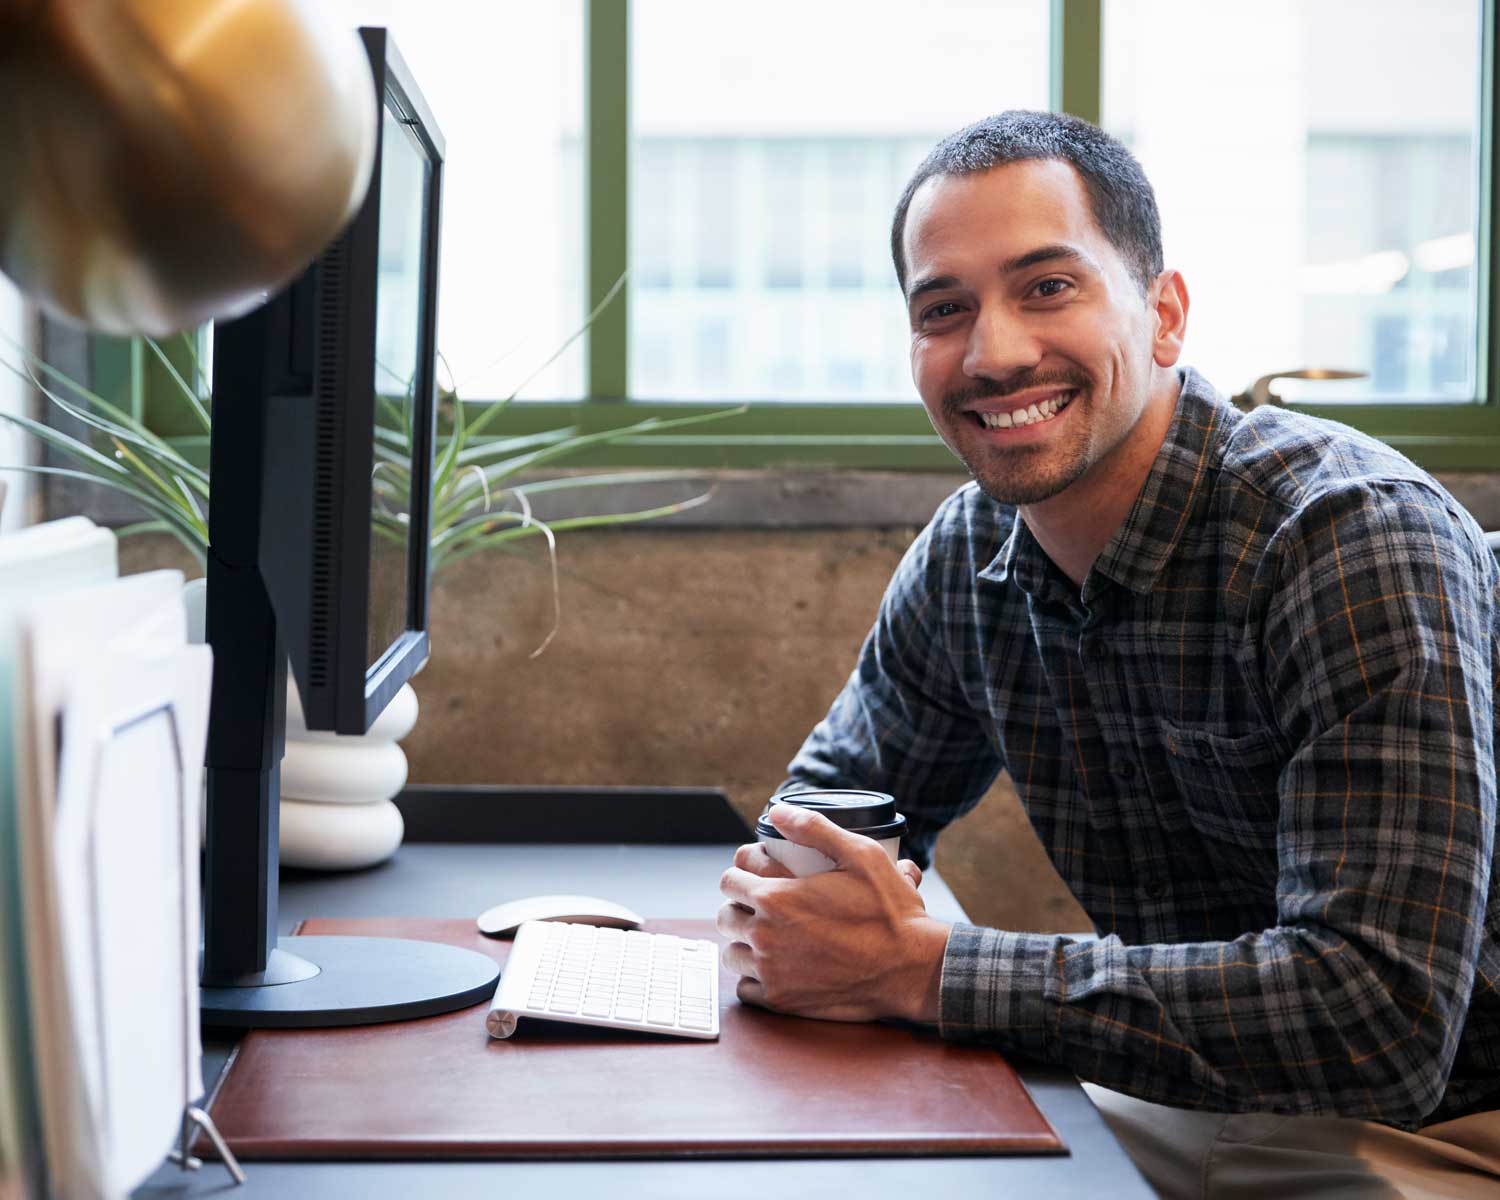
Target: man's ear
1169, 310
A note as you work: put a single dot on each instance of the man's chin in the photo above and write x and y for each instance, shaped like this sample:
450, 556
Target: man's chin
1019, 485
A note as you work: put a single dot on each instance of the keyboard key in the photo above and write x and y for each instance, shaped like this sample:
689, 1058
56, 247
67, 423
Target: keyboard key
696, 983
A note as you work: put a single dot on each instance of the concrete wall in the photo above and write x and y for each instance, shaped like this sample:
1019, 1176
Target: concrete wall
691, 657
699, 656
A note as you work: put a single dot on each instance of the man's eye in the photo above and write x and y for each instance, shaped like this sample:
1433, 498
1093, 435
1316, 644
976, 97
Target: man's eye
1048, 288
938, 311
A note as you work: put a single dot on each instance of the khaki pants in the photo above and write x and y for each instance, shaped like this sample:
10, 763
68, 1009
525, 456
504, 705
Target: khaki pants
1262, 1156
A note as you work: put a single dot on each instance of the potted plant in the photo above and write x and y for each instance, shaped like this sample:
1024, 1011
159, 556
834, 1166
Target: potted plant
336, 809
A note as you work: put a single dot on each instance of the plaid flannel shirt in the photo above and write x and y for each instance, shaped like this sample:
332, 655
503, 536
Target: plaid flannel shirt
1258, 746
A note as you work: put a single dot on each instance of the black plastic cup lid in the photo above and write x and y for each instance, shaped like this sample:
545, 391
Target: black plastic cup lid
870, 813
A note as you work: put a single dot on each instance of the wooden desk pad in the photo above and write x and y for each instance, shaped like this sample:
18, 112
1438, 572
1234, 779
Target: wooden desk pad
440, 1087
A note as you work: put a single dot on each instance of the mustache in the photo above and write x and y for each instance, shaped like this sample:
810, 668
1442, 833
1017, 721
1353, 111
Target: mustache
997, 389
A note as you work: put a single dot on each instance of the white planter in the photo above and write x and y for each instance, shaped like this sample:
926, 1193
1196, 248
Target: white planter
338, 837
336, 790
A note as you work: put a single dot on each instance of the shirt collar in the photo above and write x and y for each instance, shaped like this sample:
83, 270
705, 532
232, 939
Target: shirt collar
1175, 488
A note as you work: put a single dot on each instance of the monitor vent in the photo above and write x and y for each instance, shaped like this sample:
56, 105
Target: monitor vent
328, 389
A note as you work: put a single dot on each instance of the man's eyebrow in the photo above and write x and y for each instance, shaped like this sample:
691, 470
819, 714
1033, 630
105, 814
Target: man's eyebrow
933, 283
1056, 252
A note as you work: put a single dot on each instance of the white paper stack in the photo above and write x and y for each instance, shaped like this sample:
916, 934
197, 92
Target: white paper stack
104, 732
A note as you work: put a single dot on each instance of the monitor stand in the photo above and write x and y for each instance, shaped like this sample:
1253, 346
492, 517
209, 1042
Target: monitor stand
313, 982
249, 977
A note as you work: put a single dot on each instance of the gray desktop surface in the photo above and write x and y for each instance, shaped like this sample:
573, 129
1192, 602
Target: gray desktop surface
442, 880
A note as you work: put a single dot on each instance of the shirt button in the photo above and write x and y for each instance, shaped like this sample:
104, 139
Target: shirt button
1204, 749
1156, 889
1096, 648
1122, 768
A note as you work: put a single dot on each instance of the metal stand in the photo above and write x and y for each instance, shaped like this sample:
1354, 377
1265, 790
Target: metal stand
182, 1156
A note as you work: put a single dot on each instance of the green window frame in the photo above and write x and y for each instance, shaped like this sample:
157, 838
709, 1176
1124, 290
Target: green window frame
770, 433
1439, 436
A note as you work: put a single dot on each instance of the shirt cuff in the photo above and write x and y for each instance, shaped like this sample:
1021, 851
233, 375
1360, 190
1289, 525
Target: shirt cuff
996, 982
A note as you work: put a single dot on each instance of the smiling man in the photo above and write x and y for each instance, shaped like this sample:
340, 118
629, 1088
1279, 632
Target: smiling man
1241, 669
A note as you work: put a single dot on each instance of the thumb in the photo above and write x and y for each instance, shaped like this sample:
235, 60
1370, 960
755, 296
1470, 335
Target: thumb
814, 830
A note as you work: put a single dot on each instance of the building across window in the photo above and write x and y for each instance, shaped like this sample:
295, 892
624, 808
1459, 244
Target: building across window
1317, 167
767, 155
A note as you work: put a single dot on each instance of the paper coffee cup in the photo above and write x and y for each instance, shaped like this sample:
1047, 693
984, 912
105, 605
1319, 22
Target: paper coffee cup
870, 813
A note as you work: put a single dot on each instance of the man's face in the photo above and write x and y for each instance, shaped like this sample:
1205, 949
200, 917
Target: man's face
1031, 343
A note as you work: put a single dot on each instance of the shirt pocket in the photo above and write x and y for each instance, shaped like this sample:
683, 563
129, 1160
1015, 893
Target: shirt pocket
1227, 784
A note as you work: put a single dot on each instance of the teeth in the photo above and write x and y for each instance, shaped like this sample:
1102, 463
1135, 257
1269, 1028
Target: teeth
1028, 415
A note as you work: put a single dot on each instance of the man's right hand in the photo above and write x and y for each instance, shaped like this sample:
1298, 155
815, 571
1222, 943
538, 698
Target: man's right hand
853, 943
753, 858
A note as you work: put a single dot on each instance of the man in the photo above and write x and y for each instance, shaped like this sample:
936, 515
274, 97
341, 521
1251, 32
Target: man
1241, 670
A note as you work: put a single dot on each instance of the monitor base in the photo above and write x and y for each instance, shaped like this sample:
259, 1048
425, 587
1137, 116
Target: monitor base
354, 981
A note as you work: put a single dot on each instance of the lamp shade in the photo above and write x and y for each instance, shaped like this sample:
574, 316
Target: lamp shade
168, 162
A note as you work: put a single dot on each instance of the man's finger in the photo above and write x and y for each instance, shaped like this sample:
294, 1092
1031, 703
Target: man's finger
739, 958
753, 858
743, 887
750, 991
912, 872
809, 828
733, 921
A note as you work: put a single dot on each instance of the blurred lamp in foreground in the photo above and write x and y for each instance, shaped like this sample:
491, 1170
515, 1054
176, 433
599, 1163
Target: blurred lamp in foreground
167, 162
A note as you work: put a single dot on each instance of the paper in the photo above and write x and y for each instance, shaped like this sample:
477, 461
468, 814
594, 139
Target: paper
33, 561
56, 554
127, 869
109, 843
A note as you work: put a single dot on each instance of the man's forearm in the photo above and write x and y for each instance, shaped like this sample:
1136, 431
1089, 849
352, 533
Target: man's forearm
1221, 1025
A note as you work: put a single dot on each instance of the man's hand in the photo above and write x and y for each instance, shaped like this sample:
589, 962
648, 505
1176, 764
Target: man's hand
852, 944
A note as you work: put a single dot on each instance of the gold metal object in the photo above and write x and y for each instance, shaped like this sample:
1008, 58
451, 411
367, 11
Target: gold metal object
1260, 392
167, 162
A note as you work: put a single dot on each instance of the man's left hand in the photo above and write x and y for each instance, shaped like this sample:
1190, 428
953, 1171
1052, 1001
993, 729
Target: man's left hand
852, 944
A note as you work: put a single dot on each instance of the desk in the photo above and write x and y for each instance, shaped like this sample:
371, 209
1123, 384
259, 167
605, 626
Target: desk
436, 880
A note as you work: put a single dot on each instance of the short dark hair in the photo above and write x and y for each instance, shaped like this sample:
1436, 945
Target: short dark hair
1119, 192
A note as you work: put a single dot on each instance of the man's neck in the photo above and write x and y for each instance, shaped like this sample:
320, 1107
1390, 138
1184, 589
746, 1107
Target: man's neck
1074, 526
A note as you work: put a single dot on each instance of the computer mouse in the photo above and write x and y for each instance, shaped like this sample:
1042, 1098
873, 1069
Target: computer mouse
505, 919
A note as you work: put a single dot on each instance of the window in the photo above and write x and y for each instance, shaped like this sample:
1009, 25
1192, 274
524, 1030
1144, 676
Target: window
1325, 172
768, 146
1318, 171
505, 83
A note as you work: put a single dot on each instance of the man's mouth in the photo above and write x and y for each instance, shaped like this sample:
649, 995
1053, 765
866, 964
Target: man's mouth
1032, 414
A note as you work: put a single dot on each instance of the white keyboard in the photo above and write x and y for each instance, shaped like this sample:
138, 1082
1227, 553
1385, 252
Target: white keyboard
617, 978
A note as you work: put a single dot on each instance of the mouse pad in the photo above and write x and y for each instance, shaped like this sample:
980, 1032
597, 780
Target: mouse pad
440, 1087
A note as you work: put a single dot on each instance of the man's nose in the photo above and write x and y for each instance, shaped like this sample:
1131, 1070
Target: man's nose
999, 345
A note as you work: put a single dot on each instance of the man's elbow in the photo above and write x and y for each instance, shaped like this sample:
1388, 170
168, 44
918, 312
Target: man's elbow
1405, 1080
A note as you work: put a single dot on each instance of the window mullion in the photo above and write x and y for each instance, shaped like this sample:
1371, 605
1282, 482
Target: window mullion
607, 175
1487, 244
1077, 66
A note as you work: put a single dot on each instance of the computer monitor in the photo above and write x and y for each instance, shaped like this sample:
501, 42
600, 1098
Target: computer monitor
319, 520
